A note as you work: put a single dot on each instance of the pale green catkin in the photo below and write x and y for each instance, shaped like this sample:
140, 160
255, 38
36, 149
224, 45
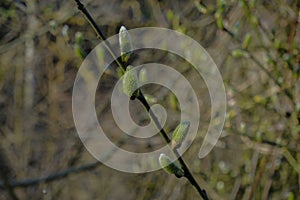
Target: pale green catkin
125, 44
179, 134
130, 82
169, 166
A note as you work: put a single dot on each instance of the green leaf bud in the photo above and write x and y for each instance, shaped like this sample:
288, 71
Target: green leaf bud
78, 38
169, 166
219, 20
179, 134
246, 41
238, 53
201, 8
130, 83
125, 44
79, 51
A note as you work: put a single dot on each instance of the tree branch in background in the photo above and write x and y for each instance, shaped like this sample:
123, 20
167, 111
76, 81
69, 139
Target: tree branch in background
51, 177
4, 174
58, 175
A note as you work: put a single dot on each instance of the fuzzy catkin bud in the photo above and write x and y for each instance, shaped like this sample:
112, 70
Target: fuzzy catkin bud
169, 166
179, 134
130, 82
125, 44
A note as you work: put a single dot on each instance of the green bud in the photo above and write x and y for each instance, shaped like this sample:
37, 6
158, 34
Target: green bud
254, 20
78, 38
120, 72
179, 134
219, 20
130, 83
277, 44
169, 166
170, 15
125, 44
246, 41
291, 196
79, 51
237, 53
221, 3
201, 8
173, 101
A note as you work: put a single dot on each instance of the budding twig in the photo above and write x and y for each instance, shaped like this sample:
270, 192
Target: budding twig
142, 99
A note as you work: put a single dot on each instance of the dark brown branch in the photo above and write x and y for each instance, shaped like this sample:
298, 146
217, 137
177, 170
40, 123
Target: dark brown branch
99, 33
51, 177
187, 172
59, 175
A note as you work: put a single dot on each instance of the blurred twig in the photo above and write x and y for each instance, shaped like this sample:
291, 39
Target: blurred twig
293, 162
64, 15
255, 60
261, 66
252, 142
269, 181
4, 174
58, 175
52, 177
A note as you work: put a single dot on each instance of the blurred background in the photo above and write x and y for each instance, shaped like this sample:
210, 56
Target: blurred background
255, 45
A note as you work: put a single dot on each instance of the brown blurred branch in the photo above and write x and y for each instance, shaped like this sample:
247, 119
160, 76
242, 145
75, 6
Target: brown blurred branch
63, 16
4, 174
58, 175
51, 177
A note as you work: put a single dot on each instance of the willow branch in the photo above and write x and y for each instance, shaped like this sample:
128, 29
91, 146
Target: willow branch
142, 99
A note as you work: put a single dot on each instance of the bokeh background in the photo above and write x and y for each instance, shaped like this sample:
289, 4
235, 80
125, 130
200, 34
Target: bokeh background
255, 45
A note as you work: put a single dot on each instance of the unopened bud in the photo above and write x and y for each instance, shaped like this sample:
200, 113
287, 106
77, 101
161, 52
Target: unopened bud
179, 134
130, 83
238, 53
125, 44
246, 41
169, 166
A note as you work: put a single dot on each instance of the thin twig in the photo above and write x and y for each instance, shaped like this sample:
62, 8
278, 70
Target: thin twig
61, 174
4, 174
260, 65
187, 172
99, 33
257, 62
142, 99
51, 177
